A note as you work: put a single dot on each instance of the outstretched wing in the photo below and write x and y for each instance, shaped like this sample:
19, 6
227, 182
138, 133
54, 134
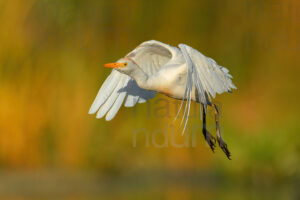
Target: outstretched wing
206, 76
150, 56
115, 89
211, 77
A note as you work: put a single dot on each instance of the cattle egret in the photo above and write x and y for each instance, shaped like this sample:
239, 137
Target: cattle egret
181, 73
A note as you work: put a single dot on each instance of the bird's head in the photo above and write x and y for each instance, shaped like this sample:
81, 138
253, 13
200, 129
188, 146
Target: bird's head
124, 66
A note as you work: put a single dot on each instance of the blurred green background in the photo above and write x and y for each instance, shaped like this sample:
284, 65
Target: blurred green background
51, 57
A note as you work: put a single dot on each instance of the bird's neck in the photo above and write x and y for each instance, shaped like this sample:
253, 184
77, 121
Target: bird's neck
140, 77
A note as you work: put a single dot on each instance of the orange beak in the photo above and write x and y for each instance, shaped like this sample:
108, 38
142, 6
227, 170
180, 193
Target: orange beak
115, 65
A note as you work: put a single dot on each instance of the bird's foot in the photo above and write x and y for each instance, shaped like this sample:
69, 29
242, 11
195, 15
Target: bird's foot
211, 140
221, 142
223, 146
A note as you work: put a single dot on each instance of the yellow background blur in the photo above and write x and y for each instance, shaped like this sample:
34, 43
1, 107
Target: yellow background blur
51, 57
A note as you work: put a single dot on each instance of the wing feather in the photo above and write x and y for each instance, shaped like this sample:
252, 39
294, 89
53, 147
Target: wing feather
111, 99
131, 101
206, 76
105, 91
214, 78
115, 108
133, 97
152, 55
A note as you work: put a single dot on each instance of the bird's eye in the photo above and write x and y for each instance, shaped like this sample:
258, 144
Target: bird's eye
125, 64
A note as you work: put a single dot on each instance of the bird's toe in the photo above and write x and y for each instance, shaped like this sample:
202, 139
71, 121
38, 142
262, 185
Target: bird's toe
223, 146
211, 140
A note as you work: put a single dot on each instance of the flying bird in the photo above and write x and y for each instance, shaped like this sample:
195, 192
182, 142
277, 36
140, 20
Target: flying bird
178, 72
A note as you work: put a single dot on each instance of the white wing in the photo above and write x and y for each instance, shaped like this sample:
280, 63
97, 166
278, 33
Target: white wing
206, 76
115, 89
150, 56
212, 77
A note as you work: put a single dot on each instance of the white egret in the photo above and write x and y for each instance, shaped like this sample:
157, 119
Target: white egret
181, 73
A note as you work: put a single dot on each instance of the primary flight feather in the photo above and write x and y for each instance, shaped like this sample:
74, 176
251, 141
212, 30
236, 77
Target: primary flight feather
181, 73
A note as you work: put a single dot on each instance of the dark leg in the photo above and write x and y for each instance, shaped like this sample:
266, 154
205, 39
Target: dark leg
221, 142
208, 137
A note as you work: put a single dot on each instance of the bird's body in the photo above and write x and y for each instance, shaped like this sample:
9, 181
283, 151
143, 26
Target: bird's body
170, 80
181, 73
174, 83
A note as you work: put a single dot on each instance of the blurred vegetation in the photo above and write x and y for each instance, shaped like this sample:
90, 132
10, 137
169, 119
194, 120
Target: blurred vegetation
51, 57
